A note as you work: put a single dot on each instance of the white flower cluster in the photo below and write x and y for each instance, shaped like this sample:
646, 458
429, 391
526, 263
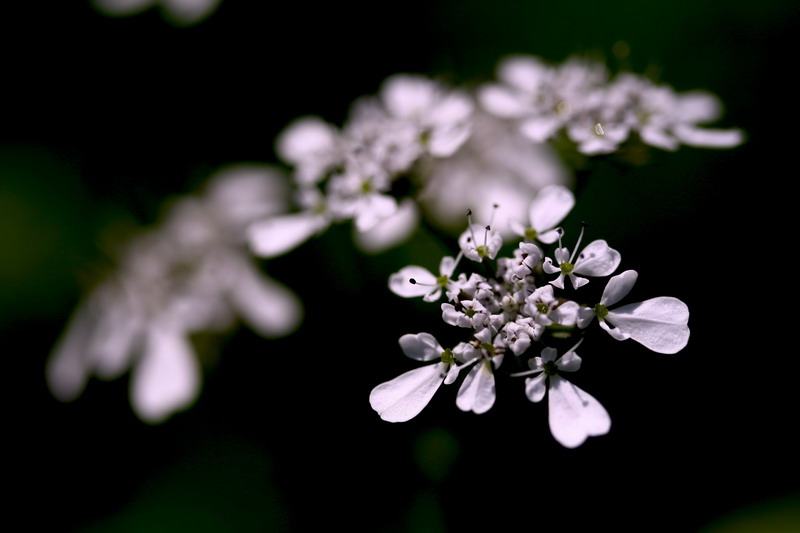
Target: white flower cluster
518, 305
598, 113
190, 274
420, 143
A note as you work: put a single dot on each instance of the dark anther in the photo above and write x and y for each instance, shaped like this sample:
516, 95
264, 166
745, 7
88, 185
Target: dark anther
412, 281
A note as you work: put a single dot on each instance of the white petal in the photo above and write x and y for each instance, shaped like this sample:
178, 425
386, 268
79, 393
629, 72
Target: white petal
306, 138
656, 136
618, 287
390, 231
660, 323
597, 259
697, 107
267, 306
67, 369
421, 346
549, 237
536, 387
709, 138
501, 102
403, 398
445, 141
574, 414
577, 281
585, 316
614, 332
408, 96
278, 235
477, 393
167, 378
550, 206
376, 210
400, 283
540, 129
566, 314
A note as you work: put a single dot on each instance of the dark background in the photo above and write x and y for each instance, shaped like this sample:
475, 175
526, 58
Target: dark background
105, 118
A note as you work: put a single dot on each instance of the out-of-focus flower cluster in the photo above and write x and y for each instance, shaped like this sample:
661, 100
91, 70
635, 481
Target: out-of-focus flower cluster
520, 307
190, 274
420, 144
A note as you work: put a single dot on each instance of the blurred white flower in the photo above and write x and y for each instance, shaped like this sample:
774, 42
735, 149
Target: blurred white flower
189, 274
176, 12
441, 116
495, 166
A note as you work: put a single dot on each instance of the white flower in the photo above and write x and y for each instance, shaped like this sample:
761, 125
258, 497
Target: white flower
177, 12
480, 242
527, 258
495, 166
660, 324
545, 309
597, 259
414, 281
520, 333
189, 274
403, 397
465, 314
547, 210
573, 414
441, 116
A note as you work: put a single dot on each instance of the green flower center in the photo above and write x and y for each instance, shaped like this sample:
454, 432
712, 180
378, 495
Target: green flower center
550, 368
447, 357
469, 312
567, 268
482, 251
442, 280
531, 234
600, 311
542, 308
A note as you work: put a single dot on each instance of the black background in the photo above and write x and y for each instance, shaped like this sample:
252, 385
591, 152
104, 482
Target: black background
105, 118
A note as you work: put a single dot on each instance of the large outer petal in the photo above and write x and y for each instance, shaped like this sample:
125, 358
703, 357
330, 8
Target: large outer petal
574, 414
167, 378
618, 287
660, 324
597, 259
406, 395
550, 206
477, 393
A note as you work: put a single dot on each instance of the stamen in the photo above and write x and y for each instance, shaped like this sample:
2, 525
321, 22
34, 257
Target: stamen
577, 244
469, 224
